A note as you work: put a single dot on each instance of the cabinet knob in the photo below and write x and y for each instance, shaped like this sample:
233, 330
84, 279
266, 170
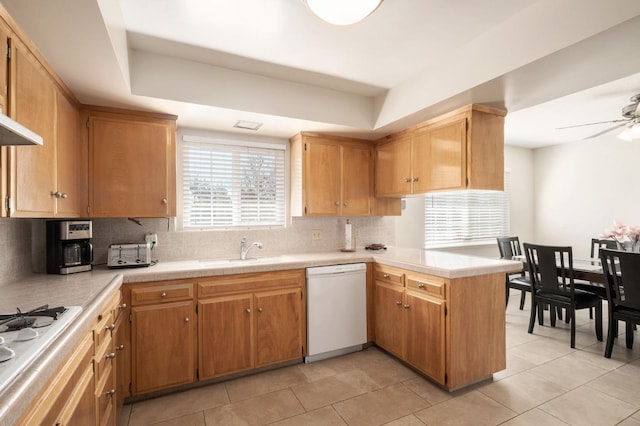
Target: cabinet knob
110, 356
399, 303
407, 180
248, 310
110, 393
56, 194
110, 327
122, 306
385, 275
406, 306
415, 179
164, 294
345, 204
420, 285
120, 348
165, 201
337, 203
259, 309
186, 319
63, 195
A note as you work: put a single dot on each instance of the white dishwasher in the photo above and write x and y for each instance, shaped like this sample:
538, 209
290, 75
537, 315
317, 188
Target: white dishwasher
336, 310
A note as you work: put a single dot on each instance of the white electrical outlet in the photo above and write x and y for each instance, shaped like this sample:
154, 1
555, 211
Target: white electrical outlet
316, 235
152, 239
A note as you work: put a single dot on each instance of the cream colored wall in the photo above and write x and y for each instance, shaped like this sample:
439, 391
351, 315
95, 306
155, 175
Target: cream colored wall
15, 240
582, 187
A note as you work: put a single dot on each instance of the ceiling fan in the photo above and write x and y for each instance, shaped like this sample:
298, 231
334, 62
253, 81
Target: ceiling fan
631, 120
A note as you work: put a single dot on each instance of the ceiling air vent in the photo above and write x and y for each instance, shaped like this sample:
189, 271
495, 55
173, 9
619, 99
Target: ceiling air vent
248, 125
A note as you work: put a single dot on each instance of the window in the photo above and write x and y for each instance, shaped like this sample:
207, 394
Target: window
468, 216
232, 184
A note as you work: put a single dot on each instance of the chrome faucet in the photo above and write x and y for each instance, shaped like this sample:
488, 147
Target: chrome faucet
244, 248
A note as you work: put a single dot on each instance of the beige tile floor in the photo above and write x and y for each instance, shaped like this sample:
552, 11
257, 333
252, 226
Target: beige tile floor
546, 382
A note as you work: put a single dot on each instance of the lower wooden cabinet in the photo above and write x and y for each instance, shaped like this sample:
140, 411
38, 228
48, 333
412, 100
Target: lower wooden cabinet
163, 341
247, 330
452, 330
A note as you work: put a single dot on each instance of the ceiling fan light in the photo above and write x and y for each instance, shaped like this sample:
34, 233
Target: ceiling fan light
631, 133
342, 12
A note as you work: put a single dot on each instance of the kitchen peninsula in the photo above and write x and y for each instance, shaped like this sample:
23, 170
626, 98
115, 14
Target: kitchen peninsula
468, 290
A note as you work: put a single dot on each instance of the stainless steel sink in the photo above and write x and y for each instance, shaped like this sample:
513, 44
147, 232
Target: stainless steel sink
248, 262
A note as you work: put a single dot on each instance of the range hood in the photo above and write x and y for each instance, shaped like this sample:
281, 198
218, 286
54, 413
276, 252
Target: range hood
13, 133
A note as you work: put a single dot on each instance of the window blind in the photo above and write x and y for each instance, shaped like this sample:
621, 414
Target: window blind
466, 216
226, 185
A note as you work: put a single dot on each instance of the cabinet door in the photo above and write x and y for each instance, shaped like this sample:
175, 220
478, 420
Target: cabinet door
393, 168
71, 164
425, 344
388, 317
356, 180
163, 342
33, 168
225, 330
122, 364
447, 162
421, 163
278, 326
81, 406
131, 168
321, 177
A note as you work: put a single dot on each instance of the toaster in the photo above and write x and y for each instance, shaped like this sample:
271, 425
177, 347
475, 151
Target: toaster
129, 255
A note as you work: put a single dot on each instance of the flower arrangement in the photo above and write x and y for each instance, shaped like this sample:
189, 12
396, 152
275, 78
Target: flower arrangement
624, 235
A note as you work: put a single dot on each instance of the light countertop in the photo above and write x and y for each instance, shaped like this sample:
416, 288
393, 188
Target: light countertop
91, 290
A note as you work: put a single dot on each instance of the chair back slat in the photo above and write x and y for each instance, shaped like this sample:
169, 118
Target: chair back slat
622, 272
550, 268
598, 244
509, 247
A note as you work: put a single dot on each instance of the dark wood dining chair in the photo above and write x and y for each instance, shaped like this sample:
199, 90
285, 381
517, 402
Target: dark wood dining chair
622, 272
509, 247
597, 244
551, 275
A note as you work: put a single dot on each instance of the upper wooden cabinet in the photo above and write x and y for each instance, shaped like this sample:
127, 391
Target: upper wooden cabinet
132, 158
460, 150
47, 180
332, 176
44, 181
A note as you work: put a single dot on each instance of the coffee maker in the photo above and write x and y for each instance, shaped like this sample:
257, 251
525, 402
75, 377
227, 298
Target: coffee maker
69, 248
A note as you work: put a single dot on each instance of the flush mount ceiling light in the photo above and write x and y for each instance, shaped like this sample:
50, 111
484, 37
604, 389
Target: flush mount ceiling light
248, 125
342, 12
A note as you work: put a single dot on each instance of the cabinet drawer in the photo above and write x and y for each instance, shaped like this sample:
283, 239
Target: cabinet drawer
388, 275
105, 398
161, 293
104, 359
426, 284
102, 331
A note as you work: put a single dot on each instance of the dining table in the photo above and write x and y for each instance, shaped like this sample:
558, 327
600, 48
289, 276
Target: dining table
587, 270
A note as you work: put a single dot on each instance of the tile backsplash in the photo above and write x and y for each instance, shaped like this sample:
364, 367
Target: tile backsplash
224, 244
15, 240
24, 240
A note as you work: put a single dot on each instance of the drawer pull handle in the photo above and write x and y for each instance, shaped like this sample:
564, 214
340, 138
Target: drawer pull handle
406, 306
164, 294
385, 276
110, 327
186, 319
120, 348
248, 310
122, 306
110, 393
110, 356
399, 303
420, 285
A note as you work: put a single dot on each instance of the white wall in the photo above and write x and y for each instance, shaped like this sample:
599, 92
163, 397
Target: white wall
410, 226
582, 187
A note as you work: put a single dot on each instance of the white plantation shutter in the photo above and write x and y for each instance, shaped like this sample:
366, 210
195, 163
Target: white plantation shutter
466, 216
227, 185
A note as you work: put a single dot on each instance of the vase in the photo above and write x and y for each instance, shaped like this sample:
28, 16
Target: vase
628, 246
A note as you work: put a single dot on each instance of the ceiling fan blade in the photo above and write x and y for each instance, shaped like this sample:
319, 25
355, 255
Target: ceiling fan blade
591, 124
610, 129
